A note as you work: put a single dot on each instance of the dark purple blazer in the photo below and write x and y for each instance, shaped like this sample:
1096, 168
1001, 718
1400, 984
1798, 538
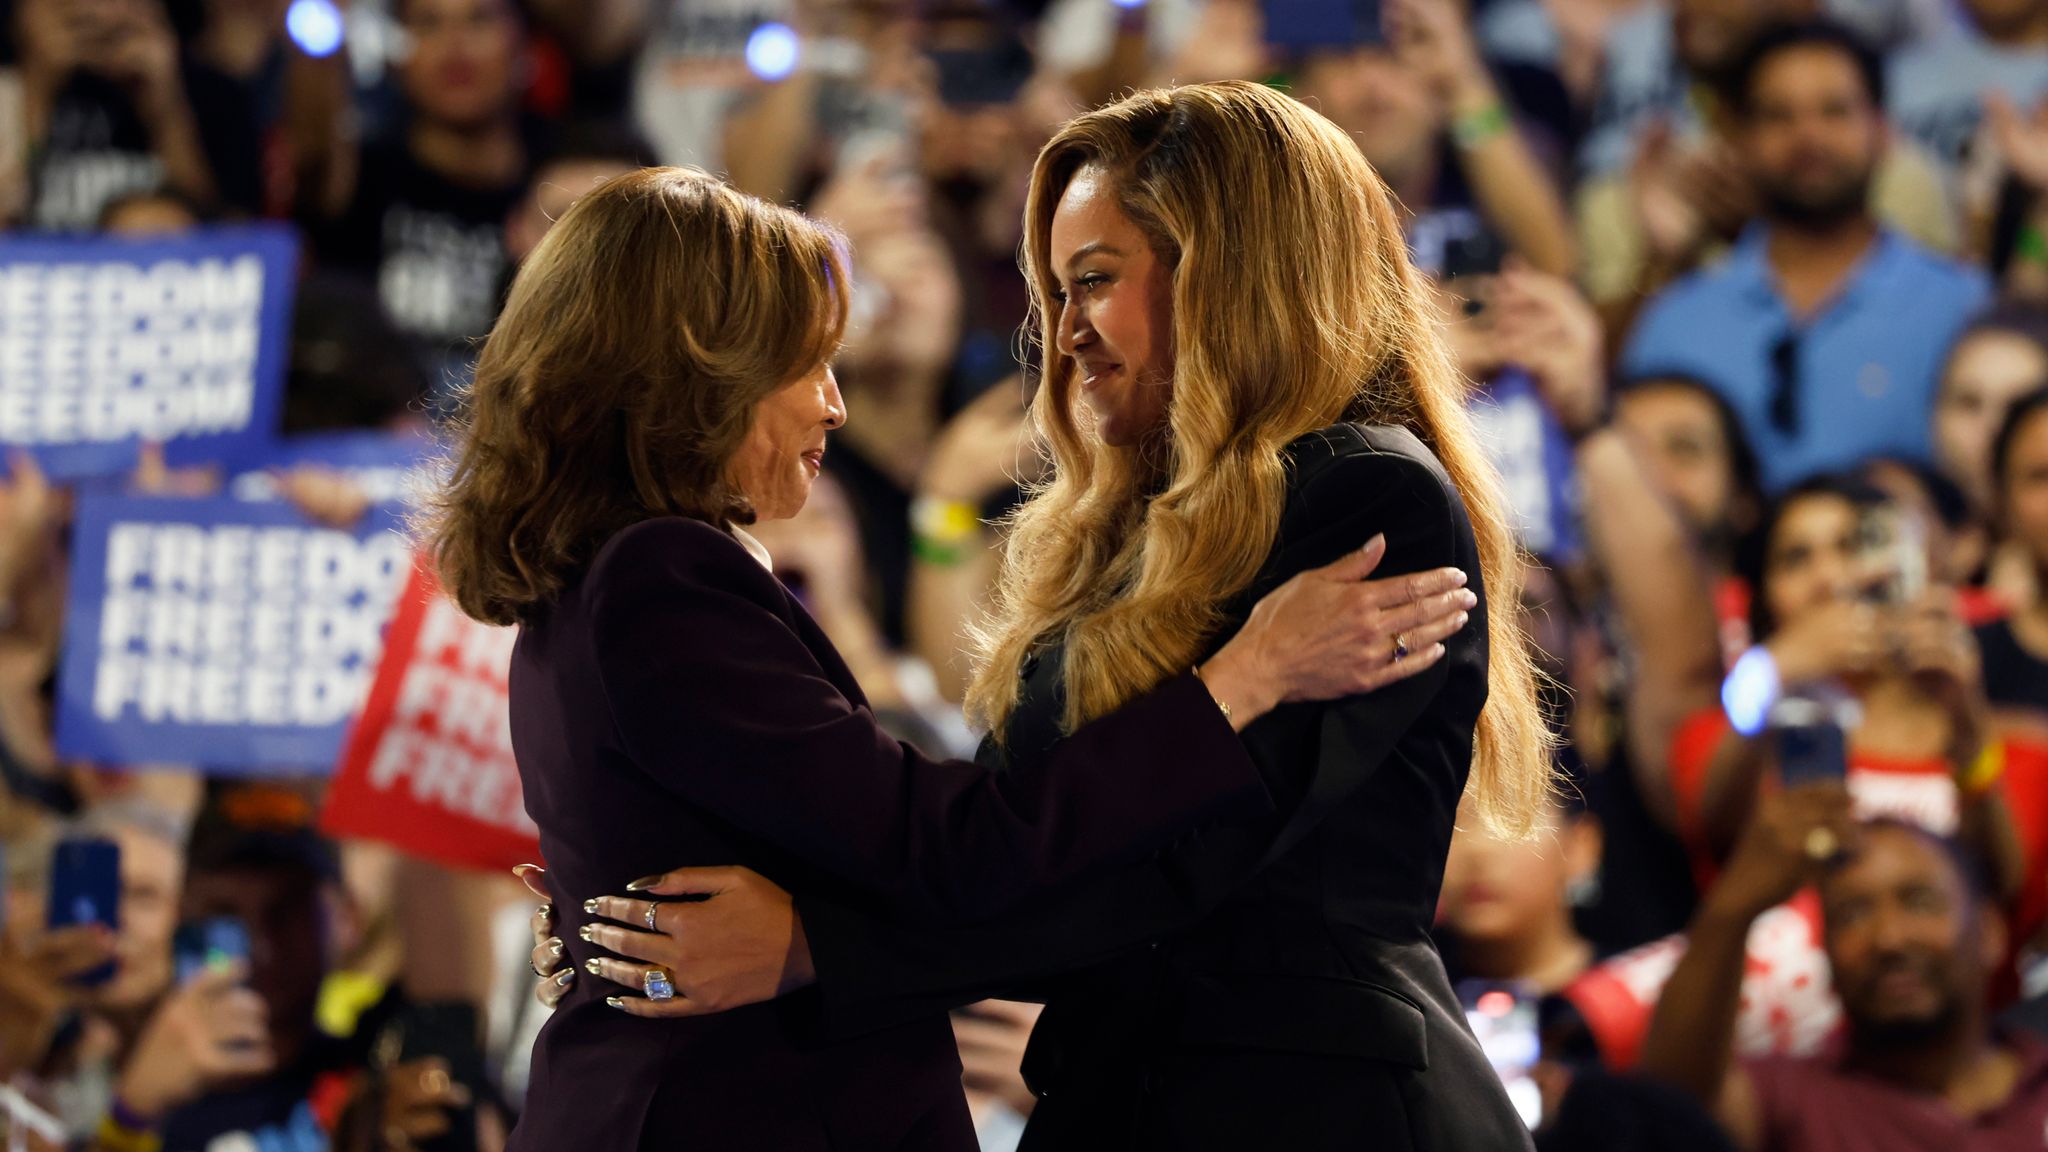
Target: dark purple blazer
678, 707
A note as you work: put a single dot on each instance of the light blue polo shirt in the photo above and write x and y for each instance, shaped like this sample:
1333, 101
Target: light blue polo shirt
1867, 362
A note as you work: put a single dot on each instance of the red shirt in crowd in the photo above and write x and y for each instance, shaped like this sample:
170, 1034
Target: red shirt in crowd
1814, 1104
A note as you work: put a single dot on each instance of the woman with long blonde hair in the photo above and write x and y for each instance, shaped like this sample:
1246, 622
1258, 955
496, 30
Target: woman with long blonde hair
1243, 380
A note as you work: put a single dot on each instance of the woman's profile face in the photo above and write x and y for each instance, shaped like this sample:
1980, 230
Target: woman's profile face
785, 448
1116, 311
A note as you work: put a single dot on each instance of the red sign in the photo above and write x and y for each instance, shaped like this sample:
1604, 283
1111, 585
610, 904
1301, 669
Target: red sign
428, 767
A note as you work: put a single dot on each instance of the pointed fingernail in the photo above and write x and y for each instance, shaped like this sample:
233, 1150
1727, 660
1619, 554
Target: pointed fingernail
584, 932
1378, 539
548, 910
643, 883
592, 967
567, 975
616, 1002
590, 906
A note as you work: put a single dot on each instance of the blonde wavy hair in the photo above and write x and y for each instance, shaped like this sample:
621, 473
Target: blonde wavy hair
621, 378
1294, 307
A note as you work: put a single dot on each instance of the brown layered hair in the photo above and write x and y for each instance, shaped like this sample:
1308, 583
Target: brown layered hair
621, 378
1294, 307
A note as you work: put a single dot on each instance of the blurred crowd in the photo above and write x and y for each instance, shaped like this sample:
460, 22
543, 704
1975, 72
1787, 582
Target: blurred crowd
1753, 298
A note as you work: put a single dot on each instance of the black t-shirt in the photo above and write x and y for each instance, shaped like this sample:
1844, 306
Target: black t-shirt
2012, 675
98, 150
434, 248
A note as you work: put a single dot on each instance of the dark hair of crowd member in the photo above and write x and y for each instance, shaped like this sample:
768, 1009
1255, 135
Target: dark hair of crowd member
1803, 34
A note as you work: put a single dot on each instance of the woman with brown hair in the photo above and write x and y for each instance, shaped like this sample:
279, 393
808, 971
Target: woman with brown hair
1242, 379
657, 381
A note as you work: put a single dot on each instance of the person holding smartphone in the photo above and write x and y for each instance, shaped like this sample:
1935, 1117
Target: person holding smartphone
1842, 615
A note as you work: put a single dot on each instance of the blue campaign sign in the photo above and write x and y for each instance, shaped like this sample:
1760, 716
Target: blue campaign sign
385, 465
108, 342
231, 635
1534, 456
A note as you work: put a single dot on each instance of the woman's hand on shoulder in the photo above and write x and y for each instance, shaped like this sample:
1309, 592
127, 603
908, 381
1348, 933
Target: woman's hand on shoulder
1331, 632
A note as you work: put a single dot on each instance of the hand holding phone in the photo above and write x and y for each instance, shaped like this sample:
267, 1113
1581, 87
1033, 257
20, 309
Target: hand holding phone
85, 888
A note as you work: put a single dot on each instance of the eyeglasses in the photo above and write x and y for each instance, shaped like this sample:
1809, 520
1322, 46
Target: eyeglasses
1785, 383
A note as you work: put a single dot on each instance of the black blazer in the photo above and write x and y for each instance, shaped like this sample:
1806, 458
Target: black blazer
676, 706
1269, 985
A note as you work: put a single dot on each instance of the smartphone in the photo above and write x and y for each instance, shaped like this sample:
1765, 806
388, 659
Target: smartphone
1503, 1019
1894, 555
1809, 741
452, 1030
85, 888
1303, 25
208, 945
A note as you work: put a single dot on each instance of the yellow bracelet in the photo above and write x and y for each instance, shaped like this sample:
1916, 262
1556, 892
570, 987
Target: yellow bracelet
944, 522
1985, 770
113, 1136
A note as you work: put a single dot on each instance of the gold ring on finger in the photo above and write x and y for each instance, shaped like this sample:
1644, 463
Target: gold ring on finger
1821, 845
651, 910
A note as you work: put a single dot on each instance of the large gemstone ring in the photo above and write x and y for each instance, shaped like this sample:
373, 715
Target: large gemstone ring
656, 984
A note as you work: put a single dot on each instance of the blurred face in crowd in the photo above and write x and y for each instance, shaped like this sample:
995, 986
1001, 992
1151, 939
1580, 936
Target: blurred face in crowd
1382, 103
152, 869
1116, 311
555, 187
1501, 891
286, 910
1907, 943
1812, 556
1677, 431
463, 67
922, 328
2025, 504
1813, 136
1987, 371
785, 446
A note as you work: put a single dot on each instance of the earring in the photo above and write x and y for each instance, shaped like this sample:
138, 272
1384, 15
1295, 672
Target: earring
1583, 891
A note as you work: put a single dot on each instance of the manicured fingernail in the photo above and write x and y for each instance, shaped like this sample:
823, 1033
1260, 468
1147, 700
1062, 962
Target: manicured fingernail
1462, 618
523, 869
616, 1002
1458, 578
590, 906
584, 932
567, 975
547, 910
555, 947
591, 966
643, 883
1378, 539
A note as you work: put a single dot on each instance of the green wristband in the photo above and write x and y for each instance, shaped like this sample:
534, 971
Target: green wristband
2031, 246
1476, 128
